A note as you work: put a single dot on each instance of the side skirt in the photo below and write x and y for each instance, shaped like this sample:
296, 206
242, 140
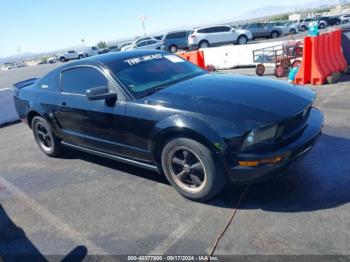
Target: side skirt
113, 157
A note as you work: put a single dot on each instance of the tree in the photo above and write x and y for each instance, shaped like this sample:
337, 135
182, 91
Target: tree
101, 44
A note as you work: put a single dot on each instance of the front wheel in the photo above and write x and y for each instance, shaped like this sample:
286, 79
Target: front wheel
192, 169
45, 138
275, 34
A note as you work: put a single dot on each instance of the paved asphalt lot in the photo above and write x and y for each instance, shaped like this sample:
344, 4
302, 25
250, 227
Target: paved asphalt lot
51, 206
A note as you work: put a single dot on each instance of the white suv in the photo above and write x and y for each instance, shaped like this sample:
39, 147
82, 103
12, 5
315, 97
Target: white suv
217, 35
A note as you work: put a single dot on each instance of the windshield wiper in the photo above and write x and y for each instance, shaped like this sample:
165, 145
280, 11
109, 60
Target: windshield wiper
151, 91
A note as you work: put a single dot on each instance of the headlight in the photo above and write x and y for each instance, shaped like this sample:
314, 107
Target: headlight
258, 136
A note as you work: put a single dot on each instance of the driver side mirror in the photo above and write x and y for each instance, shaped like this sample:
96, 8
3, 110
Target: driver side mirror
99, 93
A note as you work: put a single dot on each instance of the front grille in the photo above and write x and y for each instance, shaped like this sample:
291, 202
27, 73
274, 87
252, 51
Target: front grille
294, 126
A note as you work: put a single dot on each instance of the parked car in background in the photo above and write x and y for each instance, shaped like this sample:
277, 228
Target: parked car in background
103, 50
173, 41
152, 44
303, 24
263, 30
217, 35
89, 51
286, 28
52, 59
344, 18
70, 55
158, 37
135, 42
325, 21
122, 46
8, 66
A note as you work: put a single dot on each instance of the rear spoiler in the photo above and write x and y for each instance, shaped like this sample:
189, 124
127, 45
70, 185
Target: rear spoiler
17, 86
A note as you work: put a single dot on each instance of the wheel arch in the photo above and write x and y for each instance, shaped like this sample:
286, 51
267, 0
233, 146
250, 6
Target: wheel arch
31, 114
187, 127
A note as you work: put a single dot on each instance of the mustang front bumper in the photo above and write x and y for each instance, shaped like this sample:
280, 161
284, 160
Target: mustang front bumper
290, 153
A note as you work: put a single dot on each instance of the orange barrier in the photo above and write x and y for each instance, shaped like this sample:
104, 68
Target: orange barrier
322, 57
195, 57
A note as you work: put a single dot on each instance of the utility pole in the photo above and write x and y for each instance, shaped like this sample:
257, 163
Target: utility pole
143, 18
19, 51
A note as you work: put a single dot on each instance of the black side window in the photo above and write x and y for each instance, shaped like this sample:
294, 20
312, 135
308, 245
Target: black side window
221, 29
78, 80
176, 35
143, 43
207, 30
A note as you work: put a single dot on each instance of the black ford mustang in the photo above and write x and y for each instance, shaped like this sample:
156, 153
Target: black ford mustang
160, 112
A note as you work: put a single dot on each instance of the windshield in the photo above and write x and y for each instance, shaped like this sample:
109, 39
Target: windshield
146, 74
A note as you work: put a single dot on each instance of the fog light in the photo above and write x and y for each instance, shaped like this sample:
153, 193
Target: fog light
269, 161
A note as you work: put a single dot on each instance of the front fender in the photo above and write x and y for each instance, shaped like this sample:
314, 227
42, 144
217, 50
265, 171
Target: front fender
186, 126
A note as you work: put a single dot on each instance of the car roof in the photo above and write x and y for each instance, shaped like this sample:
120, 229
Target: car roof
105, 59
177, 31
199, 28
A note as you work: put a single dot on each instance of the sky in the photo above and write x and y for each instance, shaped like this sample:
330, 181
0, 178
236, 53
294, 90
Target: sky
47, 25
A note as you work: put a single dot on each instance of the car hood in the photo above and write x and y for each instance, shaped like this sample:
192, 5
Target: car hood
251, 100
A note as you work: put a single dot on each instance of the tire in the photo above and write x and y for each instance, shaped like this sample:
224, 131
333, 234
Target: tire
275, 34
280, 71
203, 44
296, 63
201, 183
80, 57
45, 138
260, 69
321, 26
62, 59
242, 40
337, 23
292, 31
303, 28
173, 48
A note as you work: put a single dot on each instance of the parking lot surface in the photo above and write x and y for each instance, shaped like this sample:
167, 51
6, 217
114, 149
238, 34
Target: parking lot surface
50, 206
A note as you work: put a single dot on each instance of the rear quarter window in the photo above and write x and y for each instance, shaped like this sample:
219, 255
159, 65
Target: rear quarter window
49, 82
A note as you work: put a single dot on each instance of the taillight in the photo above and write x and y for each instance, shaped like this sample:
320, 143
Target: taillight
192, 36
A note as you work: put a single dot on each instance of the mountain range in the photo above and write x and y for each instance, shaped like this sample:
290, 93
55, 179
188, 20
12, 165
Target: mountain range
255, 13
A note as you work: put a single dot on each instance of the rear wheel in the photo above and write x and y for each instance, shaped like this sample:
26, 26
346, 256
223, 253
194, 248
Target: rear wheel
303, 28
280, 71
242, 40
296, 63
45, 138
292, 31
192, 169
62, 59
260, 70
203, 44
322, 26
173, 48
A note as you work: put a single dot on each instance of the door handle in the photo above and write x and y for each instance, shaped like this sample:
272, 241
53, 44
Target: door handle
63, 106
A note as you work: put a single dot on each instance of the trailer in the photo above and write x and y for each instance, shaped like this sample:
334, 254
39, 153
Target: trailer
284, 57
